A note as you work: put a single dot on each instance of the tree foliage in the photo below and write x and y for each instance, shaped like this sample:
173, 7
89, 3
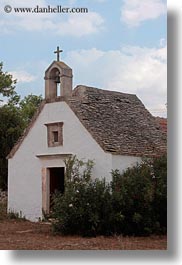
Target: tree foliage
10, 131
7, 84
28, 107
14, 118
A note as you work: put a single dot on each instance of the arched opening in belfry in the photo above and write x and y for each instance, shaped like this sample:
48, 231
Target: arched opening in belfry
55, 77
58, 81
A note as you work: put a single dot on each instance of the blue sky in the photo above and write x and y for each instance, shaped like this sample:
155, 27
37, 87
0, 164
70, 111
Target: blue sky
118, 45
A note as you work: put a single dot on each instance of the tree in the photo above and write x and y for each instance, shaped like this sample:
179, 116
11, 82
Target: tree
14, 117
7, 84
28, 107
10, 130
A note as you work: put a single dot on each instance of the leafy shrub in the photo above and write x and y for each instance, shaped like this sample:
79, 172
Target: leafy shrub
83, 209
85, 206
134, 203
159, 204
140, 193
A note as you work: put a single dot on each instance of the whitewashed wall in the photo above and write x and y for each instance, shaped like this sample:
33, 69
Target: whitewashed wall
123, 162
24, 177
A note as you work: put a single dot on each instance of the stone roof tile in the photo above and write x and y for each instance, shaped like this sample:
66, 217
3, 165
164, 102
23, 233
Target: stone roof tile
119, 122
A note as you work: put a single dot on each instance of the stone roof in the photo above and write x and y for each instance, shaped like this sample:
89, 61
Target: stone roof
119, 122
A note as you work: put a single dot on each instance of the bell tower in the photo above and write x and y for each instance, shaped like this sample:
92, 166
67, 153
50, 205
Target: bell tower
58, 79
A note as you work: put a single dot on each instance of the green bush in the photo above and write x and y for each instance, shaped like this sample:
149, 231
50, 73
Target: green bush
159, 204
85, 206
83, 209
140, 193
134, 203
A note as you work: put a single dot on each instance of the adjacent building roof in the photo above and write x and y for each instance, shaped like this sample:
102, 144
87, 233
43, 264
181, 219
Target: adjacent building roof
163, 123
119, 122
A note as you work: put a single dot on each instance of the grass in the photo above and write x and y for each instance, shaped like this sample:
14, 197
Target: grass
10, 215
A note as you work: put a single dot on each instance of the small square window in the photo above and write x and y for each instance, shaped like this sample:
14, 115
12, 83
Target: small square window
54, 134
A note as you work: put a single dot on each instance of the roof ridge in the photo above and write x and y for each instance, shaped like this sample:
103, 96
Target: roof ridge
84, 88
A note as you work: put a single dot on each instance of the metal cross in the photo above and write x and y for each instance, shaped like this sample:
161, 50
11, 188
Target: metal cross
58, 51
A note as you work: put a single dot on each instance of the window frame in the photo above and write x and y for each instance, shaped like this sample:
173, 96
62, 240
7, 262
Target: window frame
51, 129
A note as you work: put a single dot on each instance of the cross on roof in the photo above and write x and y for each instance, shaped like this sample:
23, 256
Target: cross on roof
58, 51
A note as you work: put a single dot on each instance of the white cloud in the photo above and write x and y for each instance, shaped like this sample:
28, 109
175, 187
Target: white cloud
22, 76
79, 24
134, 12
136, 70
86, 57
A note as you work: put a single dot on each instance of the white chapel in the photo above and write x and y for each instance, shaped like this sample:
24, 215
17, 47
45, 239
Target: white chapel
113, 129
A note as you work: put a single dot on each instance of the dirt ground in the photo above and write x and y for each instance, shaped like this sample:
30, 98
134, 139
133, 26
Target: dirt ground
24, 235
